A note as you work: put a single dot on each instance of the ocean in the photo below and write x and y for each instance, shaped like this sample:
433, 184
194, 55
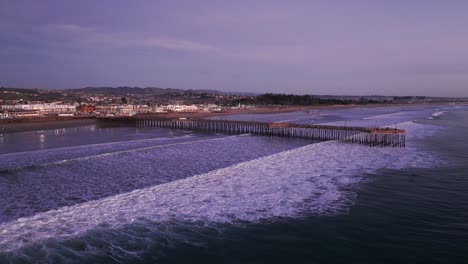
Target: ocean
103, 194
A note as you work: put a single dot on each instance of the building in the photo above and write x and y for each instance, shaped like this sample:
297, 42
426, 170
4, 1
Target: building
42, 108
181, 108
86, 108
4, 115
211, 108
115, 109
20, 114
158, 109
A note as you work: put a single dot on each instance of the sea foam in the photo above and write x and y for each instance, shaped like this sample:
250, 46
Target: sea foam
310, 180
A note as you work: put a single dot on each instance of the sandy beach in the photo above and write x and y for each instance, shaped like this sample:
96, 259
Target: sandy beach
12, 126
285, 109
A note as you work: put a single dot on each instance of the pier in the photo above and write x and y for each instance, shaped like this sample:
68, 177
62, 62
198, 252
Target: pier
367, 136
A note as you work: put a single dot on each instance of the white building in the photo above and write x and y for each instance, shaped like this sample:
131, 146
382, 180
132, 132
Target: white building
44, 108
5, 115
115, 109
181, 108
211, 108
24, 113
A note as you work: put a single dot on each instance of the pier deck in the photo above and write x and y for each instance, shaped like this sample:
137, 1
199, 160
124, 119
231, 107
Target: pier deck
361, 135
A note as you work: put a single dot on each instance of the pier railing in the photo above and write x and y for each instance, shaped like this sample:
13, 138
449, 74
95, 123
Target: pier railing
361, 135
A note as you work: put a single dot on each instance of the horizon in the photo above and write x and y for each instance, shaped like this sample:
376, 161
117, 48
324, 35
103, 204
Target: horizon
363, 48
237, 92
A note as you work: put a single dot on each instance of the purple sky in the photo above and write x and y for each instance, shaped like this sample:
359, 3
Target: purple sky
398, 47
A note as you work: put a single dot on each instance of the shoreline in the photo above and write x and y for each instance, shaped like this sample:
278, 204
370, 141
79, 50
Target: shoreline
48, 124
35, 124
286, 109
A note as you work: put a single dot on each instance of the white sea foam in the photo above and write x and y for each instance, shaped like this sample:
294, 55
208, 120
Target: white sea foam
99, 145
385, 116
306, 180
371, 121
16, 161
437, 114
32, 157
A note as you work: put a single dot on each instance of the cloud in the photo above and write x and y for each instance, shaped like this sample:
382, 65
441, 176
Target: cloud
174, 44
276, 54
325, 56
68, 28
93, 36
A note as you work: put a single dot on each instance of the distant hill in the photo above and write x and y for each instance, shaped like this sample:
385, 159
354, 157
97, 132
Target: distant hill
156, 95
28, 94
124, 90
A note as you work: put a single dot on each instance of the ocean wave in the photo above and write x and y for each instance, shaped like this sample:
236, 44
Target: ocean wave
385, 116
310, 180
43, 188
25, 163
38, 158
437, 114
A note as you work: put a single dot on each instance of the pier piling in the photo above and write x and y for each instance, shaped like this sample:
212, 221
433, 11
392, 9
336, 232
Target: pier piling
361, 135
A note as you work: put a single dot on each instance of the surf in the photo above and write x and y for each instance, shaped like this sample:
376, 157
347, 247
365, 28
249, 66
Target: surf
309, 180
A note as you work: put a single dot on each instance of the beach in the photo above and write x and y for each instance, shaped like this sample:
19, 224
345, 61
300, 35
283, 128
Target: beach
32, 124
289, 109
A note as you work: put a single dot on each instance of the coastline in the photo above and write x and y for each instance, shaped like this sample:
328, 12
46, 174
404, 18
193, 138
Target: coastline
286, 109
34, 124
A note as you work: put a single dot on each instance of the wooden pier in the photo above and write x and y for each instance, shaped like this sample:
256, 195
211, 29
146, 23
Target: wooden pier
361, 135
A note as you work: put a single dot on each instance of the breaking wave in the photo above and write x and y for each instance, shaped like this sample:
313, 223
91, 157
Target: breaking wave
309, 180
36, 159
18, 160
385, 116
437, 114
43, 187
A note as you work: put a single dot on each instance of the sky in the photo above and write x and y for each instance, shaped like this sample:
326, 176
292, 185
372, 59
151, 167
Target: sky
359, 47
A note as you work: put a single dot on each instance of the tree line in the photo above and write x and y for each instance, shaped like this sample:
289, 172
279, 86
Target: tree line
291, 99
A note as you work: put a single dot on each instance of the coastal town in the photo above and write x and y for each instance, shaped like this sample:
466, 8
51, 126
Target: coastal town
34, 103
93, 102
60, 109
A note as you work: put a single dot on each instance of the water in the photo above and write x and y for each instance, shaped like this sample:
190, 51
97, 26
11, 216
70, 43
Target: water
126, 195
